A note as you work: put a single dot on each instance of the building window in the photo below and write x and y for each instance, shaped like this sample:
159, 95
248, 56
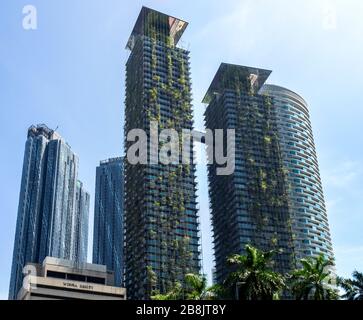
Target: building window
55, 274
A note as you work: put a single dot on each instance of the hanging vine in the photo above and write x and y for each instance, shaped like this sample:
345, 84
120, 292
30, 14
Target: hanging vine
264, 166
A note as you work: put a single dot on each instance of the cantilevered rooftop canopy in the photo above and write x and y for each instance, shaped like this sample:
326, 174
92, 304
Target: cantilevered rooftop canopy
174, 27
227, 74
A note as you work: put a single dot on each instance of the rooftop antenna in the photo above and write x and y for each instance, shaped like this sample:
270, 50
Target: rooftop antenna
53, 131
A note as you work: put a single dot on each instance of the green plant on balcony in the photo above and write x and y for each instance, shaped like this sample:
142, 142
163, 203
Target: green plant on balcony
156, 78
264, 186
176, 94
169, 41
151, 281
152, 234
169, 60
267, 140
153, 94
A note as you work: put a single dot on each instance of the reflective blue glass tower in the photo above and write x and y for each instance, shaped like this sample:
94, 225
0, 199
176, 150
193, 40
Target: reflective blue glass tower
81, 223
46, 213
108, 219
59, 188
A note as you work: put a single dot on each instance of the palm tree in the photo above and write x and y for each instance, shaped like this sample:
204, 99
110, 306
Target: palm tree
220, 292
196, 287
254, 279
175, 294
353, 287
314, 280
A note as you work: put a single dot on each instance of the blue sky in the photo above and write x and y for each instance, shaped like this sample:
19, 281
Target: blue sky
70, 73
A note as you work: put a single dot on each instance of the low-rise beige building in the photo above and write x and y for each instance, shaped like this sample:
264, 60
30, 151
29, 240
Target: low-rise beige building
63, 279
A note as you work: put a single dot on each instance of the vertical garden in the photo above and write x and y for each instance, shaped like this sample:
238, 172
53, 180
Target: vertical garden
162, 243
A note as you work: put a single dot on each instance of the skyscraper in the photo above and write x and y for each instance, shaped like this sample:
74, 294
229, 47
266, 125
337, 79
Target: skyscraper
45, 221
251, 206
310, 222
80, 247
108, 235
161, 217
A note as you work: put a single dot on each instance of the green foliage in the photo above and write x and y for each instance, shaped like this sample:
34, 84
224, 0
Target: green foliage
156, 78
169, 41
152, 234
264, 186
153, 94
274, 241
176, 94
314, 280
353, 287
254, 279
267, 139
151, 279
219, 292
175, 294
194, 288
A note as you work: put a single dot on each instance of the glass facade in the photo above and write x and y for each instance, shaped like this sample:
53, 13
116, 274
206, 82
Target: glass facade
251, 206
81, 223
310, 222
161, 216
45, 221
108, 235
59, 201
